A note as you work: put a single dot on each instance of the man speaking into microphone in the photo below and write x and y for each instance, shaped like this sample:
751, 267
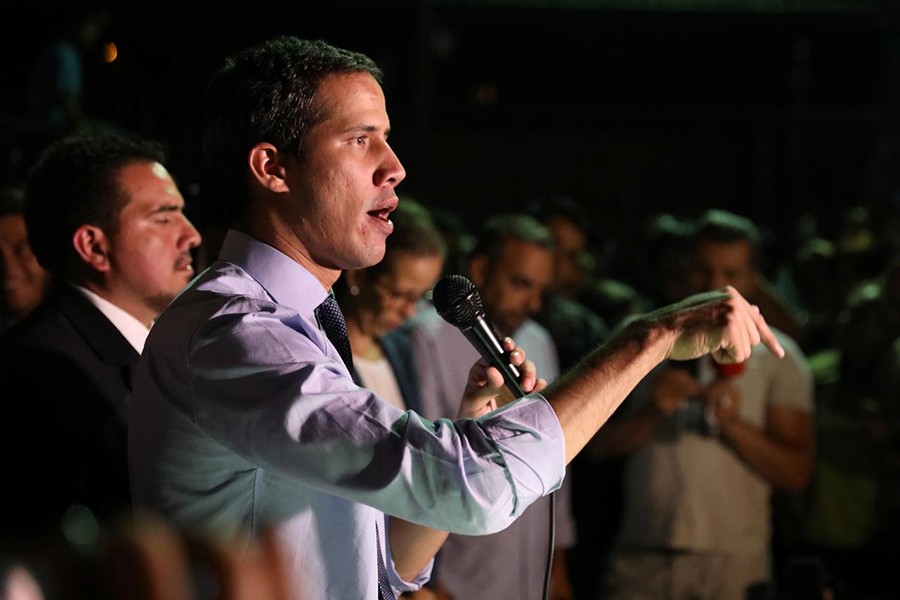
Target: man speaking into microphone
245, 415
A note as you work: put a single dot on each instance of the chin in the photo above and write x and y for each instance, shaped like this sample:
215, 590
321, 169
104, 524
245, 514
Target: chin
376, 254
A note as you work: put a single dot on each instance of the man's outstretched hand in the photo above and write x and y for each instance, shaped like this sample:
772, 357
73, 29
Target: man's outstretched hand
721, 323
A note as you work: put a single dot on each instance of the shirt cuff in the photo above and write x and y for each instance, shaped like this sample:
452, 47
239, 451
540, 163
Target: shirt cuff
530, 439
399, 585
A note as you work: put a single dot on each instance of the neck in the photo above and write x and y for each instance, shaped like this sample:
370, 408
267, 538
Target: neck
272, 231
134, 307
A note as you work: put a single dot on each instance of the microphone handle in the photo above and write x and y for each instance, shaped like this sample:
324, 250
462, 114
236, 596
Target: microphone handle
481, 335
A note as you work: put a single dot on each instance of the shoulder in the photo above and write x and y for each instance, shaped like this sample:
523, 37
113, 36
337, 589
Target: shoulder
788, 381
533, 333
789, 344
46, 355
539, 347
227, 311
794, 358
224, 290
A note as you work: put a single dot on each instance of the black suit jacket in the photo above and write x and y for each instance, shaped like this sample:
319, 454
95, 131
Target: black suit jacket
66, 375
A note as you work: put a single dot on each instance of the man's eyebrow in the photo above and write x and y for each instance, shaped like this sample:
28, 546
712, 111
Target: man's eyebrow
362, 128
166, 207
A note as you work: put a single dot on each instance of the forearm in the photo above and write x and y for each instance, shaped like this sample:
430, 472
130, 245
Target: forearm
719, 322
586, 396
413, 546
783, 465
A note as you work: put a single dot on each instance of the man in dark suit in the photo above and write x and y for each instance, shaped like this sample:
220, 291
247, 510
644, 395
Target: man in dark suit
107, 220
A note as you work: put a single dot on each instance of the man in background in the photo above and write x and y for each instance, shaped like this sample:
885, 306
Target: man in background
105, 217
512, 267
706, 445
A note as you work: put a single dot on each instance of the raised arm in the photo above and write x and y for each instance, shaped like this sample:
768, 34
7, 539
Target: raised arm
720, 323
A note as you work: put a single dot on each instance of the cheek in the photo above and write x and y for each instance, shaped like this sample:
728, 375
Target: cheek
336, 201
146, 265
147, 256
161, 244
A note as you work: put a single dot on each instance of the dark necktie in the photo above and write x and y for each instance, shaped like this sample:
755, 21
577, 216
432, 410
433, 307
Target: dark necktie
331, 320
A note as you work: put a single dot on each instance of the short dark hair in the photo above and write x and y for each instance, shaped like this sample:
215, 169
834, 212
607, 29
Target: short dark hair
74, 183
517, 226
544, 208
724, 227
266, 93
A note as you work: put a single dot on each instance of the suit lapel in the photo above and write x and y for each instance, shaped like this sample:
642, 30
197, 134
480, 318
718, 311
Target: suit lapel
98, 332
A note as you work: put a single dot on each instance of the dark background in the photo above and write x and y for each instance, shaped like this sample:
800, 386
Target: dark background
770, 109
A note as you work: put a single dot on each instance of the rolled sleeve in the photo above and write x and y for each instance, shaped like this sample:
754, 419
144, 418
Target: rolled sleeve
530, 441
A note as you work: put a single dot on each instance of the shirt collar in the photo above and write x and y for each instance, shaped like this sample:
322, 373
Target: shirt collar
131, 328
287, 281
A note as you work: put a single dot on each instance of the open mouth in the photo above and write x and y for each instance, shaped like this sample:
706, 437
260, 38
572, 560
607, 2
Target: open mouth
384, 214
185, 264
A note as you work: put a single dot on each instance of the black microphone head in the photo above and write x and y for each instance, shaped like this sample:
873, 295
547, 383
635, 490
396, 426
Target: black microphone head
457, 300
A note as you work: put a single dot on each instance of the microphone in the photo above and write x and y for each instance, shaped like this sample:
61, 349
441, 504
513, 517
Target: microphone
458, 303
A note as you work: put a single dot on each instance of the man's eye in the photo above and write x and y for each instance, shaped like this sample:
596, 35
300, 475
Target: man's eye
361, 140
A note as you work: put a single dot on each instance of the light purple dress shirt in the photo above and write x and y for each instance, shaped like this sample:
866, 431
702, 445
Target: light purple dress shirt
244, 419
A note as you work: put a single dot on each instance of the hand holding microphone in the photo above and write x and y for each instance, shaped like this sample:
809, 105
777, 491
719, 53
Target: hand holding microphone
457, 301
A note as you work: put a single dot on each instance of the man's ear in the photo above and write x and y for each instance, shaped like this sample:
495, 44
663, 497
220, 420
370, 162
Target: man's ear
92, 246
267, 167
478, 269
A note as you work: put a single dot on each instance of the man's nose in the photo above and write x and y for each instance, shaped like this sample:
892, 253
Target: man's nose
191, 237
390, 171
